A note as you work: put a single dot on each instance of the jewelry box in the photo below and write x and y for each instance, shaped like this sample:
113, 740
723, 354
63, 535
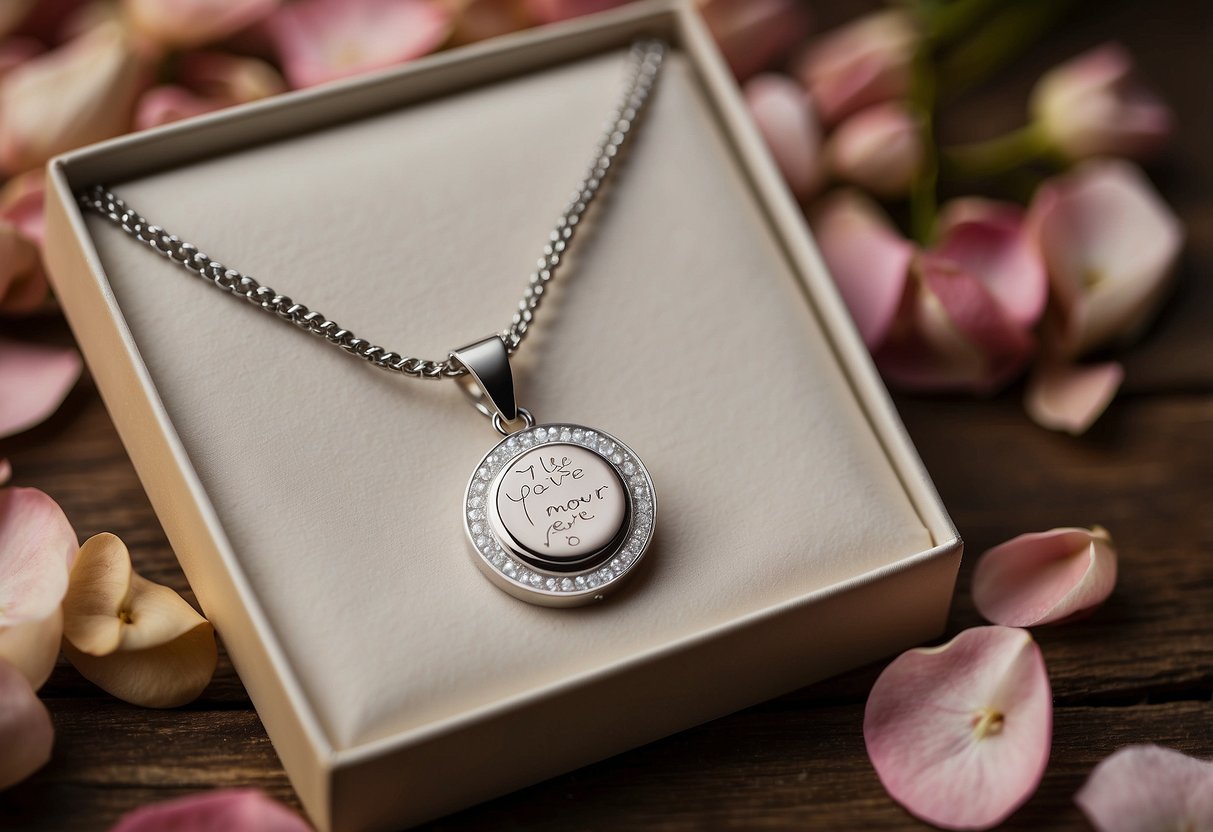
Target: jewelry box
316, 504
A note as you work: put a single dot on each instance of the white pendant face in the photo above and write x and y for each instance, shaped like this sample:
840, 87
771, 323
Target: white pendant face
559, 514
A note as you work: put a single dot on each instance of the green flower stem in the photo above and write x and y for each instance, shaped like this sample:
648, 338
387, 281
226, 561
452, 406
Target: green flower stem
999, 154
924, 198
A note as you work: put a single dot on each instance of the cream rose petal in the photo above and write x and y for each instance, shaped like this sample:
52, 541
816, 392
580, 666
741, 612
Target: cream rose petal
26, 731
135, 639
33, 647
37, 545
959, 734
74, 95
1070, 397
1046, 577
1148, 787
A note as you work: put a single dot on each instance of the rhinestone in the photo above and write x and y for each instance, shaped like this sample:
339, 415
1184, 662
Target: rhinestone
629, 468
550, 583
566, 584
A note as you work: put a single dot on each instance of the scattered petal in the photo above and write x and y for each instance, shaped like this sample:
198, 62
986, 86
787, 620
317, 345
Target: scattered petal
37, 546
222, 810
990, 241
33, 646
1148, 787
1110, 244
188, 23
1046, 577
324, 40
866, 256
34, 381
1070, 397
959, 734
878, 148
1092, 105
753, 34
784, 115
137, 640
26, 732
862, 63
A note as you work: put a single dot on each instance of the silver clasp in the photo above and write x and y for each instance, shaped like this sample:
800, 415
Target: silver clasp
489, 382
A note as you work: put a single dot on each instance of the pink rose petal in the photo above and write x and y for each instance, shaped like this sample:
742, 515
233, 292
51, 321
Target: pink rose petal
989, 240
222, 810
1045, 578
1142, 788
323, 40
868, 259
6, 471
1070, 397
1110, 245
784, 115
959, 734
26, 732
37, 547
34, 381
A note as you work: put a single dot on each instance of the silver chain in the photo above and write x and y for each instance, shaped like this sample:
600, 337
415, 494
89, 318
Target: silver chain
644, 68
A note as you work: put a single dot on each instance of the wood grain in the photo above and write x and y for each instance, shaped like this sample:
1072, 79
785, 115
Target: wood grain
1139, 670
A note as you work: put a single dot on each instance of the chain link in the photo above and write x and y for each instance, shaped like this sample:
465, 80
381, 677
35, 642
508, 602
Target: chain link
644, 68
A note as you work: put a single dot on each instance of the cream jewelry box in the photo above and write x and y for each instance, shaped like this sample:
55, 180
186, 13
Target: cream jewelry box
316, 504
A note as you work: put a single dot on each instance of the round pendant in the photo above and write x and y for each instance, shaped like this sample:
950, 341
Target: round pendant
559, 515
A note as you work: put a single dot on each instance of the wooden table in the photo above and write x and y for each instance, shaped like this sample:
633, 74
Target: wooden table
1139, 670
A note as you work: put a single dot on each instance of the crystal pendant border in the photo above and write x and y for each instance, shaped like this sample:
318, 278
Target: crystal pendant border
560, 589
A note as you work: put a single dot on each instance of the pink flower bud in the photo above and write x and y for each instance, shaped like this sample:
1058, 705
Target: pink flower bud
785, 117
859, 64
189, 23
879, 148
1092, 106
752, 34
74, 95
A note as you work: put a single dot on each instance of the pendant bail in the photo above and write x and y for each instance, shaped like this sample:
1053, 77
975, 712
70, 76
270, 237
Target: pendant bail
489, 382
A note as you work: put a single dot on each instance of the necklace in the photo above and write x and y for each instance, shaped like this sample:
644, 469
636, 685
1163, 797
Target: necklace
556, 514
